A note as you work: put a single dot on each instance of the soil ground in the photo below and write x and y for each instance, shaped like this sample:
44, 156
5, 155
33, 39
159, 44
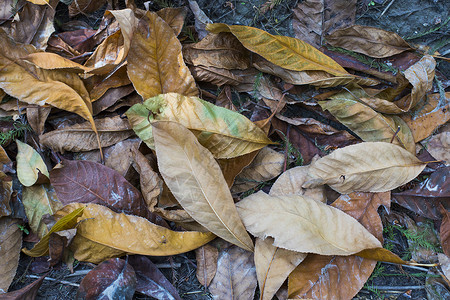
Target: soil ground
423, 22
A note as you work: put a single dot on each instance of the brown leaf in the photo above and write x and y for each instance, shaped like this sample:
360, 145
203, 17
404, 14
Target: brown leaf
424, 198
206, 256
84, 6
5, 194
10, 244
196, 181
98, 85
314, 18
273, 266
150, 280
368, 40
366, 167
80, 137
28, 292
445, 231
36, 117
439, 146
174, 16
215, 76
89, 182
112, 277
155, 62
340, 277
236, 275
231, 167
111, 97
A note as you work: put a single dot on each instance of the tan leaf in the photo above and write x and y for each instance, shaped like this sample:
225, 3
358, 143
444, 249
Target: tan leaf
84, 6
368, 40
206, 256
439, 146
174, 17
29, 164
102, 228
225, 133
50, 61
365, 167
215, 76
231, 167
37, 116
267, 164
369, 125
286, 52
11, 242
304, 225
98, 85
196, 181
236, 275
273, 266
155, 62
80, 137
291, 181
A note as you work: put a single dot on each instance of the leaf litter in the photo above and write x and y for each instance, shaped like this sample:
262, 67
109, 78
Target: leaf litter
340, 114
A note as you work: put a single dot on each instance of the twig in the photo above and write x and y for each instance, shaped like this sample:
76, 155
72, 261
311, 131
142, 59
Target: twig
408, 266
53, 279
387, 7
395, 288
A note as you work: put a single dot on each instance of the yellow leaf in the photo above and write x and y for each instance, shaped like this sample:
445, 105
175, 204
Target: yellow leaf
155, 61
224, 132
365, 167
68, 221
196, 181
101, 228
29, 164
290, 53
304, 225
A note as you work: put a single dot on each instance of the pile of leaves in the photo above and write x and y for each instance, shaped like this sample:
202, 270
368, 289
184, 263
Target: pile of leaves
146, 137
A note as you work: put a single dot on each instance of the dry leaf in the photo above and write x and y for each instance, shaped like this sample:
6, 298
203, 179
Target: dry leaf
81, 137
439, 146
273, 266
84, 6
236, 275
304, 225
174, 17
28, 292
365, 167
445, 231
36, 117
267, 164
370, 41
224, 132
10, 244
286, 52
196, 181
231, 167
104, 233
29, 164
369, 125
206, 256
155, 61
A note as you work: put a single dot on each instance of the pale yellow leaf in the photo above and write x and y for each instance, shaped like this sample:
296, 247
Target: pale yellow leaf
29, 164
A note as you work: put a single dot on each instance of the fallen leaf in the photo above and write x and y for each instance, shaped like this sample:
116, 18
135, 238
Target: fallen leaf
201, 19
236, 275
365, 167
267, 164
313, 19
286, 52
206, 257
28, 292
369, 125
6, 190
104, 234
10, 244
231, 167
90, 182
174, 17
445, 230
36, 117
98, 85
85, 6
216, 76
439, 146
273, 266
340, 277
224, 132
29, 164
150, 280
313, 226
81, 137
39, 200
371, 41
196, 181
155, 61
444, 261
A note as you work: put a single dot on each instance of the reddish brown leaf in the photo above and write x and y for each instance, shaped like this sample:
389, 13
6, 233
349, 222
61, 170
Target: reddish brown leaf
445, 231
113, 278
206, 256
26, 293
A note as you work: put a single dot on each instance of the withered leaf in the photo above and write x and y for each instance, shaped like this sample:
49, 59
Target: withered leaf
27, 292
30, 164
11, 242
206, 256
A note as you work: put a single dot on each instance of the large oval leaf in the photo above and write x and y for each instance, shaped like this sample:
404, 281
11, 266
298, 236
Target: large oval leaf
365, 167
224, 132
155, 61
290, 53
369, 125
304, 225
29, 164
196, 181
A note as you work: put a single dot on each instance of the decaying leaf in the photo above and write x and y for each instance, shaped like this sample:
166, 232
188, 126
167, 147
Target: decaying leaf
439, 146
365, 167
28, 292
155, 61
236, 275
206, 256
10, 244
104, 234
224, 132
368, 40
304, 225
286, 52
112, 277
29, 164
196, 181
445, 231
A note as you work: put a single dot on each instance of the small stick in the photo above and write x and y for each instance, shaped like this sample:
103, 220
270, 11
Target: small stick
396, 288
395, 134
387, 7
53, 279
